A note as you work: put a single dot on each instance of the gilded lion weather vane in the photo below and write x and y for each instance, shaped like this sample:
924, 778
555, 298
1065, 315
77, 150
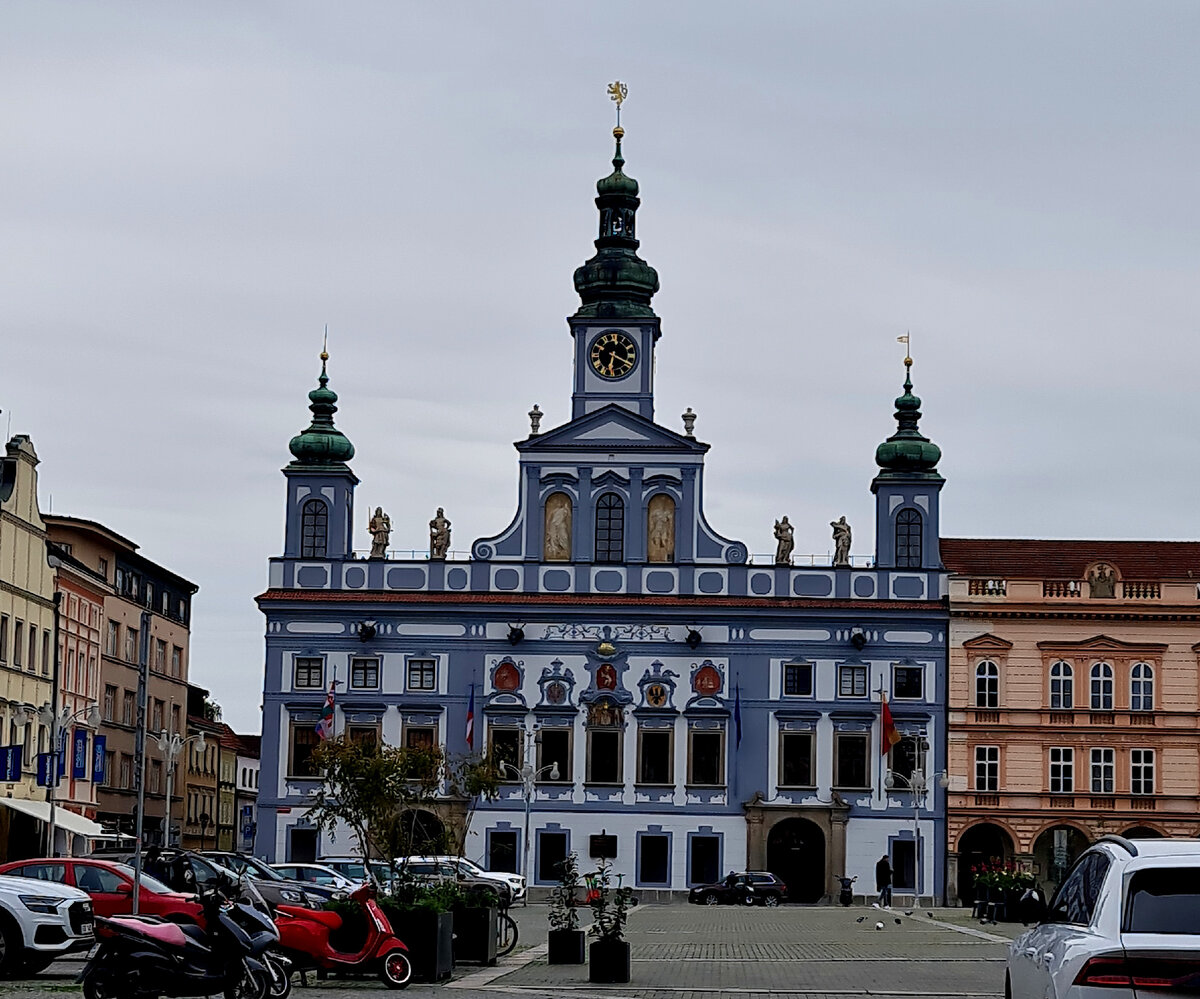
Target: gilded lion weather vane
617, 91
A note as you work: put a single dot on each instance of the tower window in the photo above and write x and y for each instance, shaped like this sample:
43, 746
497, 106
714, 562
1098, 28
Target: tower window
314, 527
908, 539
610, 528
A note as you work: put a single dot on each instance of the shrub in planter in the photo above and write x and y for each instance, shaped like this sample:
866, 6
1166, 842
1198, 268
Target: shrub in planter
566, 939
422, 916
608, 957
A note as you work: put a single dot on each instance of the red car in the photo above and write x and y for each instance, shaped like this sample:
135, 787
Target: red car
111, 887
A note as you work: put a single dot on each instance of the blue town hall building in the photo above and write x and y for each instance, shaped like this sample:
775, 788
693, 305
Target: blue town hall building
684, 711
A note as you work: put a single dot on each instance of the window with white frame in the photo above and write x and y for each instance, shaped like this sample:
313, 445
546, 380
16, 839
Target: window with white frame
1062, 770
987, 768
1141, 687
364, 674
1141, 771
309, 672
987, 685
852, 680
797, 679
1103, 770
908, 682
1062, 686
422, 674
1102, 687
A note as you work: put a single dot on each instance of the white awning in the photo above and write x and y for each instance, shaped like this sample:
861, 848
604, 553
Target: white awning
63, 818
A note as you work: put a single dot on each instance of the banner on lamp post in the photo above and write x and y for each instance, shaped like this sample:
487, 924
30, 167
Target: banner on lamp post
99, 745
79, 754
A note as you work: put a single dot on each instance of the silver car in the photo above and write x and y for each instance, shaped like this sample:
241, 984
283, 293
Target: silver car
1124, 924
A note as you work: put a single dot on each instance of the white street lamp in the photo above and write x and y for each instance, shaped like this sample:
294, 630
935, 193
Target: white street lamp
171, 745
918, 786
528, 778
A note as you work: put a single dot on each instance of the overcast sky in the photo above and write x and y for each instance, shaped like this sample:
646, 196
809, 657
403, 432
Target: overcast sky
191, 191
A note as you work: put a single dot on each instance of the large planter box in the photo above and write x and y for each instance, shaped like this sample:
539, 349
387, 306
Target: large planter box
566, 947
429, 937
475, 933
608, 961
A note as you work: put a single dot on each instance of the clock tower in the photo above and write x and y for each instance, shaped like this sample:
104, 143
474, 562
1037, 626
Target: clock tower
615, 329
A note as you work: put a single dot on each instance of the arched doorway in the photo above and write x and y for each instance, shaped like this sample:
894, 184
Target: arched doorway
1054, 851
1142, 832
419, 833
796, 853
981, 844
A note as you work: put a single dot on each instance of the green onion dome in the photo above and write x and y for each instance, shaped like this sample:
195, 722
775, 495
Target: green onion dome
908, 451
322, 443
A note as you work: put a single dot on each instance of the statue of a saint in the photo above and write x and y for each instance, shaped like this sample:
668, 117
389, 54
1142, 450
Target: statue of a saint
841, 541
660, 534
556, 544
380, 527
783, 534
439, 536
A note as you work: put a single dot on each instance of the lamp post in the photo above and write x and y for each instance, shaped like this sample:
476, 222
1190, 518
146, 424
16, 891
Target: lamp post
528, 778
918, 785
58, 722
171, 745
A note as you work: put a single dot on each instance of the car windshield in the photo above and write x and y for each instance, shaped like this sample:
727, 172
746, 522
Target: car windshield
470, 868
382, 872
260, 869
149, 883
1164, 900
351, 869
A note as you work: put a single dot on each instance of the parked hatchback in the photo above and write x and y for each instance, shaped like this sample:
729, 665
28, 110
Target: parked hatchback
1124, 924
746, 888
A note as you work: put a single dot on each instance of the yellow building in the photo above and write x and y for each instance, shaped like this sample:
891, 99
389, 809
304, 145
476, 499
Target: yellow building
26, 641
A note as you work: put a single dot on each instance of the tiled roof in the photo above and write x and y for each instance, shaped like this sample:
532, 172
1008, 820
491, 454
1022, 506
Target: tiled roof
1037, 558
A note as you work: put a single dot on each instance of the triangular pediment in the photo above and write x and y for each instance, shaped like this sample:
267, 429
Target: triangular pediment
987, 643
611, 428
1100, 644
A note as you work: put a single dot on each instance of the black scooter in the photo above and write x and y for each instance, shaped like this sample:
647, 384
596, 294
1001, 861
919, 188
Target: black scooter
143, 957
846, 895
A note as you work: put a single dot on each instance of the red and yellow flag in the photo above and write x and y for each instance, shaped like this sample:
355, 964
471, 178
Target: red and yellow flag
890, 734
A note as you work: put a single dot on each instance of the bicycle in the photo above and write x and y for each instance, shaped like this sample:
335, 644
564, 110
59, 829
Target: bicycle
506, 934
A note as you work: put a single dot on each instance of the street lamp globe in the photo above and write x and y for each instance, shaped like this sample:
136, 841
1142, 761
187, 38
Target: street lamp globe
554, 773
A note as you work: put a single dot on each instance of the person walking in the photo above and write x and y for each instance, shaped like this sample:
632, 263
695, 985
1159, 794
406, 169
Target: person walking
883, 881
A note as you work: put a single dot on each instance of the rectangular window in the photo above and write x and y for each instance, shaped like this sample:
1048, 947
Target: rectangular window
156, 716
304, 740
103, 563
1062, 770
364, 674
176, 661
126, 776
1141, 771
148, 597
850, 767
902, 757
705, 866
907, 683
552, 851
798, 679
112, 641
131, 644
987, 768
1103, 768
604, 757
422, 674
110, 702
3, 638
502, 852
32, 648
795, 759
655, 747
309, 673
110, 772
654, 860
154, 785
18, 642
706, 758
904, 865
46, 653
175, 718
504, 747
852, 681
366, 736
160, 655
128, 708
554, 748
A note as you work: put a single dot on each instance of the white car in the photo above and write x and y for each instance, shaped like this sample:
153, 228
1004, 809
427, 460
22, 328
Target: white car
1124, 924
317, 874
515, 883
46, 920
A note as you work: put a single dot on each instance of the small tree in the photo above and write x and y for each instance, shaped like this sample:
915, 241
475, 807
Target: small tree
563, 914
475, 778
610, 906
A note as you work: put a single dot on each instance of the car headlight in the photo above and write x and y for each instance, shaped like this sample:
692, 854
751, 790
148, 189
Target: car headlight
291, 896
40, 903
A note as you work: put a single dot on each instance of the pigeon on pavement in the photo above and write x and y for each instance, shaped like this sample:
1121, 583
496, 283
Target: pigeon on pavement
860, 919
908, 912
897, 920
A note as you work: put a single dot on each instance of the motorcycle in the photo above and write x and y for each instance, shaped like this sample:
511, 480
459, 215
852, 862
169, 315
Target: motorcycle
846, 895
145, 957
310, 939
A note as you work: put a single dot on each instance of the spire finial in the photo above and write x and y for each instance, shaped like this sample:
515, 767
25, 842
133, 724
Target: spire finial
907, 341
324, 355
617, 91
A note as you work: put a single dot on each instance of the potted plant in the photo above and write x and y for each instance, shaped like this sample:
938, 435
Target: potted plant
608, 957
476, 925
1003, 883
566, 939
422, 915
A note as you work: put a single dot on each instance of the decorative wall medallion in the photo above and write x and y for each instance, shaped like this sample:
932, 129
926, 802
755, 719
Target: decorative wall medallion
606, 677
507, 678
556, 693
605, 713
606, 648
707, 680
1103, 582
656, 695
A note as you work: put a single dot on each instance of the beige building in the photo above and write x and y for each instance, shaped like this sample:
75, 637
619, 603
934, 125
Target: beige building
26, 639
1074, 700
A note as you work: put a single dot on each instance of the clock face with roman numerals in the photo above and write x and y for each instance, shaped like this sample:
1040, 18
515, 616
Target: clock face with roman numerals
613, 354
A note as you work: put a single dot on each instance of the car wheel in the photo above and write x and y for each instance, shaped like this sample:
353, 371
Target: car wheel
771, 901
748, 899
711, 899
12, 950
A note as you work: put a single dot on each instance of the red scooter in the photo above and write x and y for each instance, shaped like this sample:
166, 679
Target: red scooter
305, 937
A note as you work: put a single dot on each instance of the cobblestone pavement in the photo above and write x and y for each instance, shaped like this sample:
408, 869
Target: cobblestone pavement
687, 952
